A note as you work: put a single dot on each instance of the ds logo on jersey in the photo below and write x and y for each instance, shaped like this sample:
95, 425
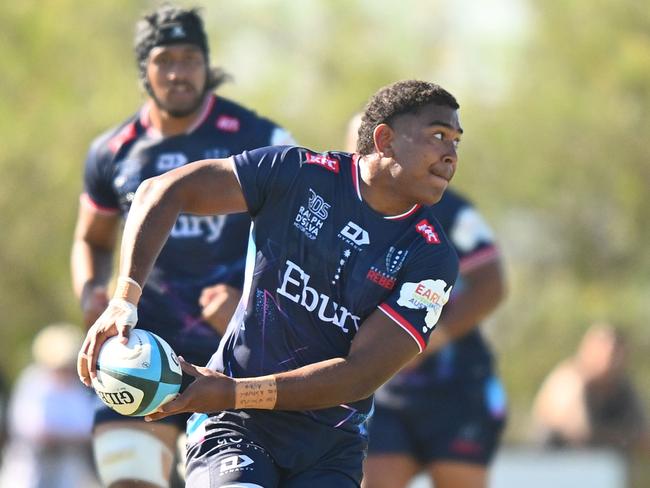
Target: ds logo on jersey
310, 220
429, 295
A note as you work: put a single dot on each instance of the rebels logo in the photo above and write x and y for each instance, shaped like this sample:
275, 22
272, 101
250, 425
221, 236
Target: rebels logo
381, 279
428, 232
330, 164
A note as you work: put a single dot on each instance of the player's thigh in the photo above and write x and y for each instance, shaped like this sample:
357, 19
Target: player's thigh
388, 471
456, 474
220, 463
134, 453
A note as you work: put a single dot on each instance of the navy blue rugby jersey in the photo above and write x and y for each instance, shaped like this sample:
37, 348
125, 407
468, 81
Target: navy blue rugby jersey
201, 250
468, 359
321, 261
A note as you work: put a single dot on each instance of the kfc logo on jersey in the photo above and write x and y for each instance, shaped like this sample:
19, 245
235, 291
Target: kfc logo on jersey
428, 232
323, 160
354, 235
169, 161
429, 295
227, 123
295, 287
309, 220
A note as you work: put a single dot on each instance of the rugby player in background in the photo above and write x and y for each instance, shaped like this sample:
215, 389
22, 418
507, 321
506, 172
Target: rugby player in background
196, 281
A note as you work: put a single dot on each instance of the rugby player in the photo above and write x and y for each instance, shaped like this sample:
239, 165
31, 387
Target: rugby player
196, 281
347, 273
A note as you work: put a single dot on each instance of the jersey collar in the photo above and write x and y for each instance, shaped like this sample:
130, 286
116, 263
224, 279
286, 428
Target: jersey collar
145, 120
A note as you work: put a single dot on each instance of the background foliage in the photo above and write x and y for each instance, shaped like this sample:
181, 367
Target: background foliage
554, 97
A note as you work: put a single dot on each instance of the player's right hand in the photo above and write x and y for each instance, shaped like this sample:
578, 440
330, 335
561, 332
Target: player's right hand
118, 318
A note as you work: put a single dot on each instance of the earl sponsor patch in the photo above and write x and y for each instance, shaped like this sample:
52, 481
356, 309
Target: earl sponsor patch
430, 295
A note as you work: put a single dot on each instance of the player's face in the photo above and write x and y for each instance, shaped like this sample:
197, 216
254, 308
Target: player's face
424, 148
177, 75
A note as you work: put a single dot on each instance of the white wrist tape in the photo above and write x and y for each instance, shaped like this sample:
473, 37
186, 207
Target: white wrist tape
128, 289
123, 312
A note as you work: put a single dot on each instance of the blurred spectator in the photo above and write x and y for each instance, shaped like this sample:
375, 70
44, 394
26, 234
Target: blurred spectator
588, 400
50, 417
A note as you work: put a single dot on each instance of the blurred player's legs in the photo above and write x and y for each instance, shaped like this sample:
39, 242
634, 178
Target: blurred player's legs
451, 435
450, 474
135, 454
389, 471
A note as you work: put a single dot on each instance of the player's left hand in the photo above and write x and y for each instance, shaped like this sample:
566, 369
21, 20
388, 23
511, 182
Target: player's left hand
209, 392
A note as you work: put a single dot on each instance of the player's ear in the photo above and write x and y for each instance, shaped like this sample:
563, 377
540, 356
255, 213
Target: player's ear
383, 135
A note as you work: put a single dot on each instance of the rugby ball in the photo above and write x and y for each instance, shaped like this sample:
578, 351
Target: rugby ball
136, 378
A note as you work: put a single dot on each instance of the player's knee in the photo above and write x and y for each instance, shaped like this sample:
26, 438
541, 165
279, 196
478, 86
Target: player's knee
128, 458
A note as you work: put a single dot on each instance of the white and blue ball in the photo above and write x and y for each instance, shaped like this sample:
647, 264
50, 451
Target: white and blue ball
136, 378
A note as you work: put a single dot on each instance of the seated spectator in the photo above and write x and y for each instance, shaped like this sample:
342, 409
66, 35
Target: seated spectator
588, 400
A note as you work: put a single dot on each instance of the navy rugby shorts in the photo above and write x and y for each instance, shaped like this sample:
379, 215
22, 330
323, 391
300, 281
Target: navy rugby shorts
234, 449
453, 424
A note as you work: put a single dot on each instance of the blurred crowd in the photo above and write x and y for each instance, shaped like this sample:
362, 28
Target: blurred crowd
48, 417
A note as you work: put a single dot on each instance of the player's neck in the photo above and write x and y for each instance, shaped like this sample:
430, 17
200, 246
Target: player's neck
168, 125
377, 188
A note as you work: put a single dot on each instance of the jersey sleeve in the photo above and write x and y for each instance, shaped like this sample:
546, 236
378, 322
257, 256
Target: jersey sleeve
265, 172
472, 238
98, 188
421, 292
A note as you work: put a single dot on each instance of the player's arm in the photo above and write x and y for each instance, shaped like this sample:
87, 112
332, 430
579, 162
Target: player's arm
219, 301
91, 259
378, 351
484, 288
205, 187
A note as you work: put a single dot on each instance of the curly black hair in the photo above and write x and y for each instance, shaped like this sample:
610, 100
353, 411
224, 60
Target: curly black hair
158, 28
398, 98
